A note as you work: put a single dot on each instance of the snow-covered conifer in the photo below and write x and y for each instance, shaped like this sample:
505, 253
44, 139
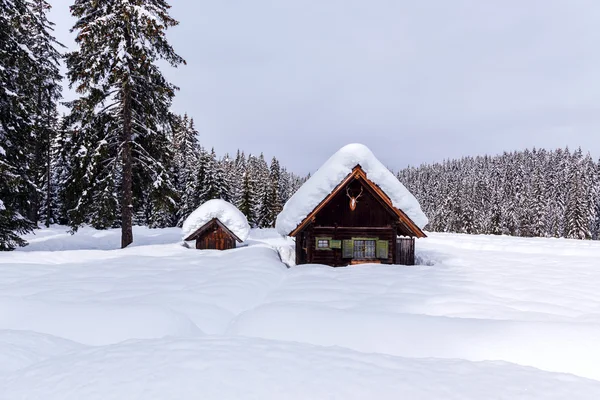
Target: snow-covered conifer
115, 71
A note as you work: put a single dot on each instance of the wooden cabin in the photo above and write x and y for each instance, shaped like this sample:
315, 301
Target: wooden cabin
356, 223
214, 235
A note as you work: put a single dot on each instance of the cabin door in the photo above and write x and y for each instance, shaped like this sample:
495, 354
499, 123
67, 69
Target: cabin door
405, 251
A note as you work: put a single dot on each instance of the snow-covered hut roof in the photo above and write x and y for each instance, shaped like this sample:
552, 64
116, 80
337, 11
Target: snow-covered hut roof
332, 173
225, 212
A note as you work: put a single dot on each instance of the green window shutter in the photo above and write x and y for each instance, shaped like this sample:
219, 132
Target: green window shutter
382, 249
347, 248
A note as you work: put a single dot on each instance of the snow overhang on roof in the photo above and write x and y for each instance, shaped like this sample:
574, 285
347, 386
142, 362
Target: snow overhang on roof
225, 212
332, 173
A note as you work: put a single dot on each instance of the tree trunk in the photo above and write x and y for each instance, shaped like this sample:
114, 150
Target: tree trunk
49, 131
126, 194
127, 181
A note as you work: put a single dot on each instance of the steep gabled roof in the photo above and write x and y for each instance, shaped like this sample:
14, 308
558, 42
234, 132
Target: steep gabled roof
359, 173
227, 214
332, 176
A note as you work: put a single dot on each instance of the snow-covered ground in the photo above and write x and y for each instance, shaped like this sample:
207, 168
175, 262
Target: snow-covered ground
483, 317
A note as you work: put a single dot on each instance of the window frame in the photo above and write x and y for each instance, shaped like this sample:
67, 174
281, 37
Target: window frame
319, 239
363, 239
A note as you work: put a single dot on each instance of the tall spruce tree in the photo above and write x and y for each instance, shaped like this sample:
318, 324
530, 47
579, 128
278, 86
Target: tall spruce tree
248, 199
259, 171
214, 185
595, 229
271, 205
236, 178
46, 88
115, 71
16, 125
187, 153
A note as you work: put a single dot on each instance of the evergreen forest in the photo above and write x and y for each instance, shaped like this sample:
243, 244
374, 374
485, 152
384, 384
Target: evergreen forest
121, 157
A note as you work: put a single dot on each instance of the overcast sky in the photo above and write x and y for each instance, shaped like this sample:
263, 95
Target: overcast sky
416, 81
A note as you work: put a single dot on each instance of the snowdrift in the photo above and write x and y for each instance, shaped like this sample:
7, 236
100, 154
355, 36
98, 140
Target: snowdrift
241, 368
501, 315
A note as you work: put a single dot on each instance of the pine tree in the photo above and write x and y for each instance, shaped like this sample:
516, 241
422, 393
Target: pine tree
576, 216
271, 204
538, 206
187, 154
114, 69
226, 165
16, 64
259, 170
214, 184
91, 186
236, 178
154, 178
595, 226
247, 203
46, 92
62, 169
200, 172
274, 191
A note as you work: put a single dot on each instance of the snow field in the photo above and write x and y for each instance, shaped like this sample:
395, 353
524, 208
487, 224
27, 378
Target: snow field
242, 368
161, 321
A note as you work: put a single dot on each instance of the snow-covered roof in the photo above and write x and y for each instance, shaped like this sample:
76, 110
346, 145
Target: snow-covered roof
332, 173
227, 214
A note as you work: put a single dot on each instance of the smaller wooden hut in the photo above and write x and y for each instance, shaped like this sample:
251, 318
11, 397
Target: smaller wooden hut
216, 225
214, 235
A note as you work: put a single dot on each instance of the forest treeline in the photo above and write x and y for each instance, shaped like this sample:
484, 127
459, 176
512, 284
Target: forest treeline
525, 193
120, 156
187, 176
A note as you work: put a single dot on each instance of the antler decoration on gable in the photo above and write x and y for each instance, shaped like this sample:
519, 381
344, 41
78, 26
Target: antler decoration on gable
353, 199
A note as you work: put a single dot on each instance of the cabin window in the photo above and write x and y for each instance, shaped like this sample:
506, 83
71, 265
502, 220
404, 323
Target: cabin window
323, 243
364, 248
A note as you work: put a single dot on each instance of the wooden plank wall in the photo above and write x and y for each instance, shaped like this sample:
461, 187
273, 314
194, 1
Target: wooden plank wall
405, 251
334, 257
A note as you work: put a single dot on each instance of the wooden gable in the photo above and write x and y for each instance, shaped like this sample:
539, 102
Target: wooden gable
374, 208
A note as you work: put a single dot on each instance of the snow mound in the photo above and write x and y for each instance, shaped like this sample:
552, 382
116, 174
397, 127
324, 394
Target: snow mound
242, 368
226, 212
59, 238
332, 173
418, 336
94, 324
21, 349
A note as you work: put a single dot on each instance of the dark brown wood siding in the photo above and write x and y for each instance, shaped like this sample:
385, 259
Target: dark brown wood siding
215, 238
369, 212
335, 257
405, 251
